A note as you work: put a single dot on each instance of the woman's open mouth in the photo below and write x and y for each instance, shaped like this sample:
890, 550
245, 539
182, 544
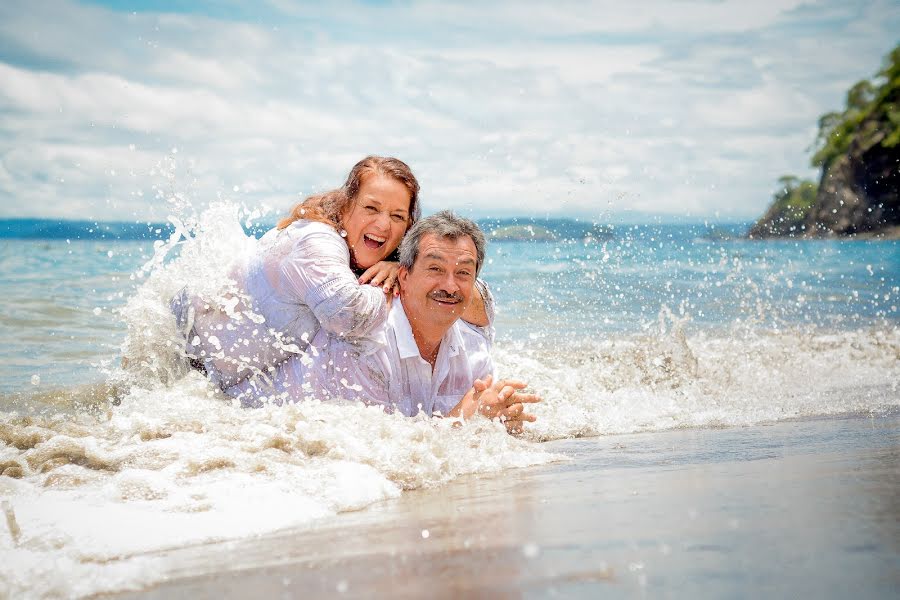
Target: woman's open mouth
373, 242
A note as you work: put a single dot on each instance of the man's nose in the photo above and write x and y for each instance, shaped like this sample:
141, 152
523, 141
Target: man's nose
450, 284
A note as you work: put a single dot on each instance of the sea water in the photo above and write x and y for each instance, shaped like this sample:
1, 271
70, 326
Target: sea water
654, 328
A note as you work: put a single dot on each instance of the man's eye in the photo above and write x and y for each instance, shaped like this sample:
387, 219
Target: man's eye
463, 273
434, 268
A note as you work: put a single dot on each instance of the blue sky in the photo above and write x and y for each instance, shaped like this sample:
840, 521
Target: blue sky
602, 110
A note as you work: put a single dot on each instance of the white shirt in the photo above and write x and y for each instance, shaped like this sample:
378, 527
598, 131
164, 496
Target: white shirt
297, 281
383, 368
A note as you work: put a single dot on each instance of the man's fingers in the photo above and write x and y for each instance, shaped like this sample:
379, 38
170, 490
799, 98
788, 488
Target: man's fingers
514, 383
523, 417
509, 390
506, 392
512, 412
516, 426
525, 398
507, 387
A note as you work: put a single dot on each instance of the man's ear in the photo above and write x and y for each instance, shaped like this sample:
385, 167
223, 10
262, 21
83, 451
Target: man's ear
401, 276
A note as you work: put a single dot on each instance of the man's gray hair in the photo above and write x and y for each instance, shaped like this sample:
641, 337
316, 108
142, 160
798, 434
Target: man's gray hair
446, 225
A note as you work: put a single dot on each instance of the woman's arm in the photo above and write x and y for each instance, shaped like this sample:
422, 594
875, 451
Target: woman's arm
317, 273
480, 311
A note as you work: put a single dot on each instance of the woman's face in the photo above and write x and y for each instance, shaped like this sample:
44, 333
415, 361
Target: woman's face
376, 221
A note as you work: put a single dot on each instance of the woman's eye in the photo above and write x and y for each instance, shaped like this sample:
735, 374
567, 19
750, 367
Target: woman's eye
371, 208
399, 218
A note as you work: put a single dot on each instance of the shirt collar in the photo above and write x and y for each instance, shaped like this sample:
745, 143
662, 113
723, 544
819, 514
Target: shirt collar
451, 343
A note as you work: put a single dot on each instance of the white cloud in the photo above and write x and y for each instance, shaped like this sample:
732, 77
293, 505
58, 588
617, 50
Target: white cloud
560, 18
576, 108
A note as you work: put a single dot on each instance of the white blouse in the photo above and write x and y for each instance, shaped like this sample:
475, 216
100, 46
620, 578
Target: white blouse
298, 280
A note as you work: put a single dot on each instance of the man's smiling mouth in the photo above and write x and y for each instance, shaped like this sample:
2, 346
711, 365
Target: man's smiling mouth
445, 299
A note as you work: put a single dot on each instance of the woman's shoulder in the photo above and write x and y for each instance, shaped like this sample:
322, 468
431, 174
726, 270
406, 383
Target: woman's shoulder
311, 239
302, 232
304, 227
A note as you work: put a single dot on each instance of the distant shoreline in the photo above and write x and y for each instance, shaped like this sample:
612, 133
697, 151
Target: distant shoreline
509, 229
525, 229
888, 234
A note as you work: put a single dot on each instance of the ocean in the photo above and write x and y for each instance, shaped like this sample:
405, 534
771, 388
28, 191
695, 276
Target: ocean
649, 329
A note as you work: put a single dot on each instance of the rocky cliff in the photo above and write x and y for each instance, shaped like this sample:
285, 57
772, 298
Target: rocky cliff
859, 192
858, 151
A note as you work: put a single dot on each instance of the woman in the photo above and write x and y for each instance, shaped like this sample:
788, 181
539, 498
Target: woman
302, 277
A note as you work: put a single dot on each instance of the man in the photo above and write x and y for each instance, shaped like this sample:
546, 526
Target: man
424, 358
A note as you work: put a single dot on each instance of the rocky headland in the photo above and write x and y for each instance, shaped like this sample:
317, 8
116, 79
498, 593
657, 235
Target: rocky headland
858, 151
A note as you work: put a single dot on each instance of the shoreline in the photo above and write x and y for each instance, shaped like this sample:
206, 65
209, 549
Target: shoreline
804, 507
887, 234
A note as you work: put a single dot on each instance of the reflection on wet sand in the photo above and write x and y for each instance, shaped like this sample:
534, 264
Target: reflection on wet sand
793, 509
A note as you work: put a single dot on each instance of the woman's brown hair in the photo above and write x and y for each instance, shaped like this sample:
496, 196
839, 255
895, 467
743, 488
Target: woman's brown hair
328, 206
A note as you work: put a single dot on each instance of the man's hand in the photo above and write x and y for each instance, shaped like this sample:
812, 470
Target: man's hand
504, 400
383, 274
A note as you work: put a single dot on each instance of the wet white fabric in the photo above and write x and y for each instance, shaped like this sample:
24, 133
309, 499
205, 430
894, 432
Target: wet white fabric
383, 368
297, 281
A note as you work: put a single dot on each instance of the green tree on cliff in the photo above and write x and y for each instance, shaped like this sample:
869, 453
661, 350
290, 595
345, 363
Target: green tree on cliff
870, 105
858, 151
794, 199
790, 205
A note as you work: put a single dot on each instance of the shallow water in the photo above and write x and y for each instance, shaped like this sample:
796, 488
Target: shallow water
795, 509
655, 329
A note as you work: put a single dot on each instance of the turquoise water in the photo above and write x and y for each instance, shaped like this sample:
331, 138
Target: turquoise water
620, 286
60, 322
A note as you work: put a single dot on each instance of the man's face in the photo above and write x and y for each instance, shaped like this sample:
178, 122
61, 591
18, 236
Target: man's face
438, 287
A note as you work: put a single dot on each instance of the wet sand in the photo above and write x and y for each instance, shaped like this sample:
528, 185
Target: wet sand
795, 509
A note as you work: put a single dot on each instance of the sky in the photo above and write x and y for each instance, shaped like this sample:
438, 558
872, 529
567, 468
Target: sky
628, 111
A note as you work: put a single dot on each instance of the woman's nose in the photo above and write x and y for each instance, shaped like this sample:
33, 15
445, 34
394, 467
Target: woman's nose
383, 220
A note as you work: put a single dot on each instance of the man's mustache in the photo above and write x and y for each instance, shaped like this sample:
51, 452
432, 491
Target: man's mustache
444, 296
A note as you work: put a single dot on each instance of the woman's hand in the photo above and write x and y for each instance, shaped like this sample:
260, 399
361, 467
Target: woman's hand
383, 274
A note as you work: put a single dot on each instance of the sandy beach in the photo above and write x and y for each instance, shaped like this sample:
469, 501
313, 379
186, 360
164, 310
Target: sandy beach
795, 509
